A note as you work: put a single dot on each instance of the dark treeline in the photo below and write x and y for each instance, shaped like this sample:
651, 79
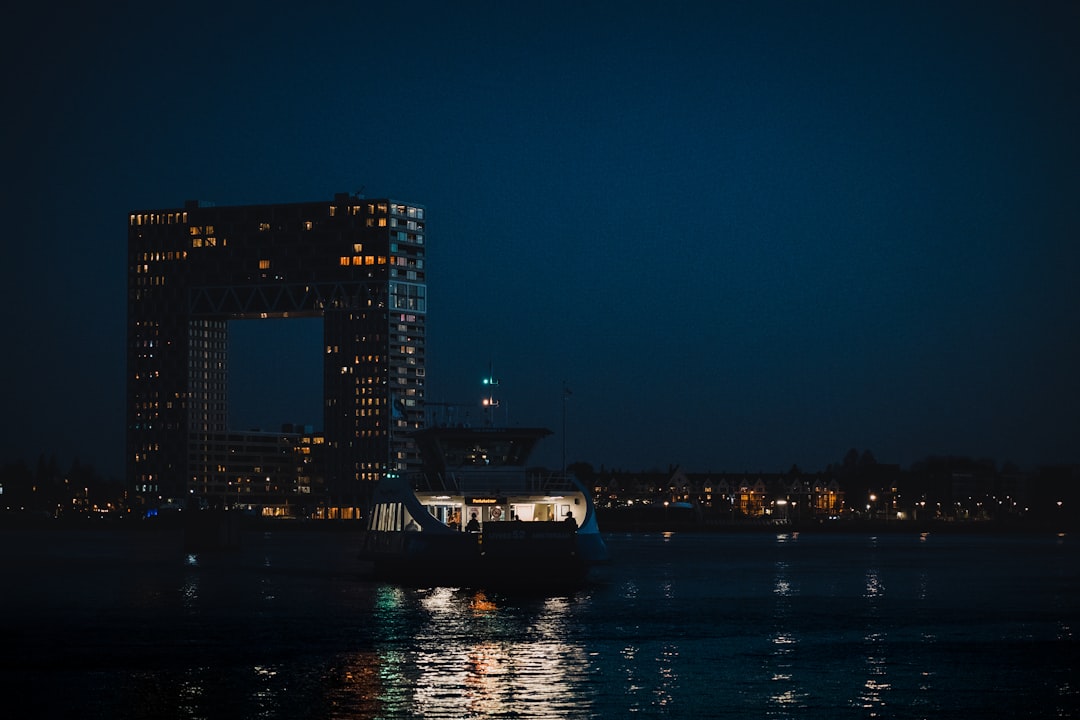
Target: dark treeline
47, 488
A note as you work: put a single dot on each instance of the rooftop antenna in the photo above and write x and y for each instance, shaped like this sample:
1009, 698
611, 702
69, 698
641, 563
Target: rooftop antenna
565, 396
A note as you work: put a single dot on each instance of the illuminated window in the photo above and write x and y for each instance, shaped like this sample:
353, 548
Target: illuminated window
382, 222
344, 262
264, 264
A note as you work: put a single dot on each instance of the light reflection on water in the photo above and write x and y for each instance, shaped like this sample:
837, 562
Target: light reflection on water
464, 653
809, 626
786, 693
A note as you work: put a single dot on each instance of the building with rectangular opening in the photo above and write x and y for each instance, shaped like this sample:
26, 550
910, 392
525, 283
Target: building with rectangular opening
358, 264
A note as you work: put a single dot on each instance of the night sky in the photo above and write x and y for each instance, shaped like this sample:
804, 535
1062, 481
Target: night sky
745, 234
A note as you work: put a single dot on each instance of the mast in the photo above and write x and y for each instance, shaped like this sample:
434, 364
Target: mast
490, 402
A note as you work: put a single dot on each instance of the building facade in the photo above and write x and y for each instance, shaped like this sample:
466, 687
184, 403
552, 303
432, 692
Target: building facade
273, 474
356, 263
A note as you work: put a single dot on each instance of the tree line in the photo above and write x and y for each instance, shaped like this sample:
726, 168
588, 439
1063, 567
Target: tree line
48, 488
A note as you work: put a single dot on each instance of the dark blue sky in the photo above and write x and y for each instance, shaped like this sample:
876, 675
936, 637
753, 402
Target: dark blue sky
746, 234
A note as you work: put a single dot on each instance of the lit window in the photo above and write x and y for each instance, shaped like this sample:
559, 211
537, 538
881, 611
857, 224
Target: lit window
264, 264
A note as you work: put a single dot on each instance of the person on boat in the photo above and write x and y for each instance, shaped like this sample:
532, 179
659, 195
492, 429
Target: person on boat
473, 525
570, 518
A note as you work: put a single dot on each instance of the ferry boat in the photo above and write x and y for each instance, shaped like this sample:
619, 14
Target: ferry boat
478, 516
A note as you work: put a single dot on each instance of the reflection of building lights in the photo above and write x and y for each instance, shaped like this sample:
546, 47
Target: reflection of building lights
480, 603
527, 659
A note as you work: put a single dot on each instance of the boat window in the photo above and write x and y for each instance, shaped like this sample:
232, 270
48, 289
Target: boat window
446, 513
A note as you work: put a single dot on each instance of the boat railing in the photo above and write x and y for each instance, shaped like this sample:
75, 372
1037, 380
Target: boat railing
493, 482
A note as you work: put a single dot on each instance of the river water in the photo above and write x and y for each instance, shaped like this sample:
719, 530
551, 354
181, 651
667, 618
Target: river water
115, 623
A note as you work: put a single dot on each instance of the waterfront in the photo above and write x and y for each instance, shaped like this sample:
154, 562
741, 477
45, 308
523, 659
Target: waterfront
125, 624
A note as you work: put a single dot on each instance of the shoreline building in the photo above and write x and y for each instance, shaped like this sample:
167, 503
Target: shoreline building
273, 474
356, 263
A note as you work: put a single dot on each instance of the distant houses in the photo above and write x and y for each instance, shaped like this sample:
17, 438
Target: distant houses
943, 489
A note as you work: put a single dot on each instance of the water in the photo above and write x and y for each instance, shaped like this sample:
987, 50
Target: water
124, 624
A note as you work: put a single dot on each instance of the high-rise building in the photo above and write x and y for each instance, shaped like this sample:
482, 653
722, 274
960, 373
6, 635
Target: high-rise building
356, 263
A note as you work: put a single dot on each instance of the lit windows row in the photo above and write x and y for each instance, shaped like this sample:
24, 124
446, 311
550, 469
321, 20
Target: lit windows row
173, 218
407, 210
352, 210
357, 359
412, 225
164, 255
346, 260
